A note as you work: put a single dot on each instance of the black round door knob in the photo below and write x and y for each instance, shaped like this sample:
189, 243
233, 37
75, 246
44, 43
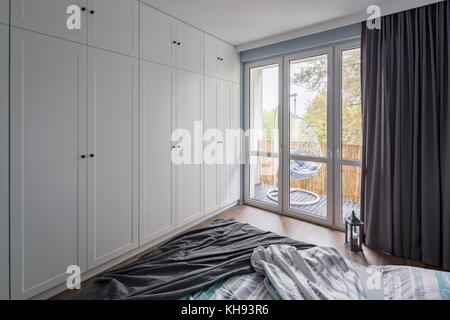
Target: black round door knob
179, 43
91, 155
83, 156
92, 11
83, 9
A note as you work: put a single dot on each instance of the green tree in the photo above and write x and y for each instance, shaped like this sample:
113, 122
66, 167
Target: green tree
314, 77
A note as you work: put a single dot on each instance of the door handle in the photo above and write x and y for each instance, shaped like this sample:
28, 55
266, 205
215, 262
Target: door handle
92, 155
83, 156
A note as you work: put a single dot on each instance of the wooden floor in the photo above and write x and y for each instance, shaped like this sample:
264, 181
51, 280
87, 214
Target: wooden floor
289, 227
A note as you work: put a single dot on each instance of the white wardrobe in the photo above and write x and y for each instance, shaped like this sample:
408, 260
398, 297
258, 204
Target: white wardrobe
92, 116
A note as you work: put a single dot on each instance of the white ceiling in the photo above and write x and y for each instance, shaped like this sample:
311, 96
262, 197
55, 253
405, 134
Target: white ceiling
252, 23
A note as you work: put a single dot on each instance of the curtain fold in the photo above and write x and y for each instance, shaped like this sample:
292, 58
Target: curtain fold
406, 137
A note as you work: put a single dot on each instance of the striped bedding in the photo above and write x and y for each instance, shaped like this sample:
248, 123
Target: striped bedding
322, 273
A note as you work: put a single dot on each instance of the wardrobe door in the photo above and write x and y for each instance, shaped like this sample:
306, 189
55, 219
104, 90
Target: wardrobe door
4, 12
112, 155
236, 144
4, 162
49, 17
211, 202
189, 170
113, 25
156, 36
211, 56
190, 48
227, 61
48, 187
224, 123
157, 200
236, 67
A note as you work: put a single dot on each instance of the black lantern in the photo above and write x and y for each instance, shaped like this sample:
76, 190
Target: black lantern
353, 232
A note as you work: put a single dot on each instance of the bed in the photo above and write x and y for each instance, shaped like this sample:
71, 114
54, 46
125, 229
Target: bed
236, 261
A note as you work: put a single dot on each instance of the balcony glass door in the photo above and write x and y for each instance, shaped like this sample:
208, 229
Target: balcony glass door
308, 167
263, 166
348, 136
304, 138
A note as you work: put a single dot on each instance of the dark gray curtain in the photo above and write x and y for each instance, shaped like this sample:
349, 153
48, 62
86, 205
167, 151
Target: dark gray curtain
406, 134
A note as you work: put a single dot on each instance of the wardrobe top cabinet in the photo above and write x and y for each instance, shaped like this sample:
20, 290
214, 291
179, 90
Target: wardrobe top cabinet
157, 33
169, 41
4, 11
221, 59
49, 17
190, 43
113, 24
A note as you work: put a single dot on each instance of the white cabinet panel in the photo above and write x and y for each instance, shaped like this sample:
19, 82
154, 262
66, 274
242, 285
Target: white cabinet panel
4, 162
113, 25
156, 36
220, 59
224, 123
212, 56
227, 62
112, 140
4, 11
157, 201
211, 202
189, 175
236, 150
190, 48
237, 68
48, 128
49, 17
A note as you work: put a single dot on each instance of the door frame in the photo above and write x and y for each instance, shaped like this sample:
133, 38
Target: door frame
337, 134
247, 67
328, 159
333, 158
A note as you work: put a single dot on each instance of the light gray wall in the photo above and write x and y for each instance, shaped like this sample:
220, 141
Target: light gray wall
4, 159
325, 38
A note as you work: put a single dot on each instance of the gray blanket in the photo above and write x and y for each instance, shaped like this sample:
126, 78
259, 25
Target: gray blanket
190, 262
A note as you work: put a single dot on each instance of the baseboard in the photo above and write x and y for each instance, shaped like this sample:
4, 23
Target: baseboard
96, 271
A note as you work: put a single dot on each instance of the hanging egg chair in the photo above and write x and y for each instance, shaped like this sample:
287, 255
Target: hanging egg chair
308, 145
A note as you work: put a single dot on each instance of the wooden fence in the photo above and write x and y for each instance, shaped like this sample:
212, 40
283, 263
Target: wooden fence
351, 176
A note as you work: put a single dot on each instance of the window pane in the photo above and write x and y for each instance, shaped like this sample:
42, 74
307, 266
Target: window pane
264, 99
264, 179
351, 105
264, 138
308, 188
351, 190
308, 106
